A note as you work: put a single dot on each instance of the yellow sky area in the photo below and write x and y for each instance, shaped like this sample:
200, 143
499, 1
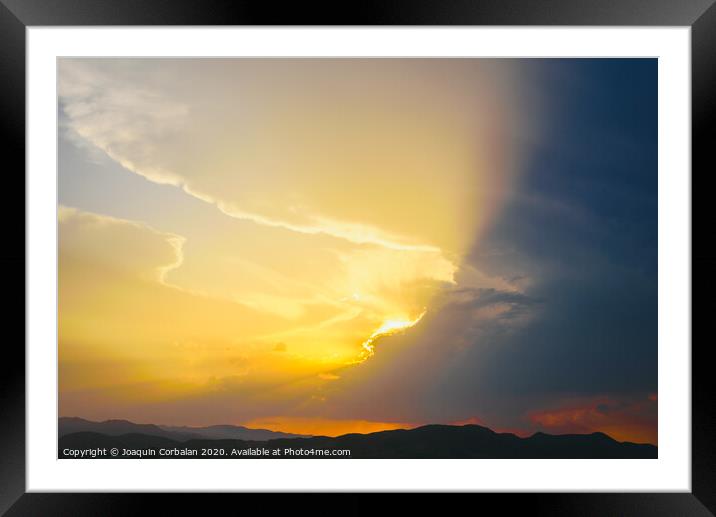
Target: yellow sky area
312, 279
136, 327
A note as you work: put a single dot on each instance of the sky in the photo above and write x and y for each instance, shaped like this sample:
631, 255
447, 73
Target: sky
325, 246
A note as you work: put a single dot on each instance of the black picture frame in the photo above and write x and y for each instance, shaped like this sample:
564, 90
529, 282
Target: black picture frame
16, 15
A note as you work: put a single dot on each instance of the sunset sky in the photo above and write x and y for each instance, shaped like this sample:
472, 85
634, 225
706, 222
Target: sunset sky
326, 246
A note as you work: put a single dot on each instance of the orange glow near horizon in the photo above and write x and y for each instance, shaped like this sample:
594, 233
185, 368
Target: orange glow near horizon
324, 427
622, 420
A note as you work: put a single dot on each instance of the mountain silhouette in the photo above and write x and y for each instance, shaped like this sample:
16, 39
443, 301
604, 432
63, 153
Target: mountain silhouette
236, 432
69, 425
430, 441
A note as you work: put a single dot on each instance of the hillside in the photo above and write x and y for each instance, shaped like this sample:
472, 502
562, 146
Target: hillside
431, 441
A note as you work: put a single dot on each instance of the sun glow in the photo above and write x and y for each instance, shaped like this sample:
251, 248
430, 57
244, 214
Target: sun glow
389, 327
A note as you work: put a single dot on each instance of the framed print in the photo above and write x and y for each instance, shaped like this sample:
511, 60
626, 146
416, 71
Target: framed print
438, 250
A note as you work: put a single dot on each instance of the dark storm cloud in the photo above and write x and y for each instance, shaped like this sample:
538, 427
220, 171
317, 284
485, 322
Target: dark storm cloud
581, 234
584, 228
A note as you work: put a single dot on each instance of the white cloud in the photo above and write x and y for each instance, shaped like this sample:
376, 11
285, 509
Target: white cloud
407, 154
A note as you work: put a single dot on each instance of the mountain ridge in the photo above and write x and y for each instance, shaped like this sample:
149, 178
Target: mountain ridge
430, 441
116, 427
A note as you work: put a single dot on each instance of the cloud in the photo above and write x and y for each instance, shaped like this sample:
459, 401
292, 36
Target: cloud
382, 184
124, 120
127, 246
328, 376
408, 368
278, 142
625, 418
118, 314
